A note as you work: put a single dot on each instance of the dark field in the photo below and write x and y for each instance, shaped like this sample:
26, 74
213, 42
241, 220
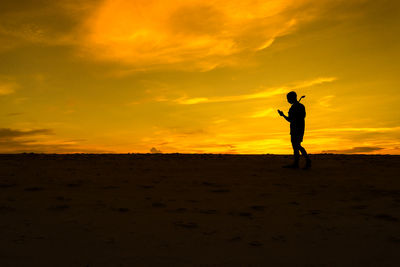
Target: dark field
198, 210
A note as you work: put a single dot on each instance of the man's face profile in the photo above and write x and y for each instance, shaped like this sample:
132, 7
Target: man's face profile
290, 99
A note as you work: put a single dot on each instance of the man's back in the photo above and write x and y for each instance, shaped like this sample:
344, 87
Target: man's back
297, 113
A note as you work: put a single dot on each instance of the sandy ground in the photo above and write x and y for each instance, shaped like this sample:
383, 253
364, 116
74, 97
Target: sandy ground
198, 210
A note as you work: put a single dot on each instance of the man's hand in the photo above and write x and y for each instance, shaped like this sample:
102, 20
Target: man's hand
280, 113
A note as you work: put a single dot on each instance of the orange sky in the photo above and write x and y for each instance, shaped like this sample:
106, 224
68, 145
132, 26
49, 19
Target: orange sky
193, 76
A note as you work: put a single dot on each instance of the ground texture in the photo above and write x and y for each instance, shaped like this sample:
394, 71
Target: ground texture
198, 210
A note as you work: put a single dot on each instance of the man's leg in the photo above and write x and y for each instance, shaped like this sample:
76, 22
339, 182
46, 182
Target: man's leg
304, 153
296, 152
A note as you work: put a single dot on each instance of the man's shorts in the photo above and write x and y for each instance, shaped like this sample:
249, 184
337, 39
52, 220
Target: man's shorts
296, 139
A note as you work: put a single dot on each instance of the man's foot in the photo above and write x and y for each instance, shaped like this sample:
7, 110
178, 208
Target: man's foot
291, 166
308, 164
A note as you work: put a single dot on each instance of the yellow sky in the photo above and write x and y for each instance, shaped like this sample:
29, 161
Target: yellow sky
194, 76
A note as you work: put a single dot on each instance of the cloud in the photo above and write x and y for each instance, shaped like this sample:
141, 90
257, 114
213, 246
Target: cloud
265, 93
32, 22
150, 34
147, 35
12, 114
155, 150
7, 133
359, 129
326, 101
38, 141
7, 88
36, 146
263, 113
14, 140
354, 150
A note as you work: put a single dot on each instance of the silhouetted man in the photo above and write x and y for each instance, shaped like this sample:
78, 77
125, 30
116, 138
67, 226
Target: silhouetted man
297, 113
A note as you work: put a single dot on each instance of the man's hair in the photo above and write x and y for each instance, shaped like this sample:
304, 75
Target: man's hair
292, 95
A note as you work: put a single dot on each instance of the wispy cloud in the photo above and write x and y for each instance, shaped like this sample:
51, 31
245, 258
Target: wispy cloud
263, 113
359, 129
12, 114
146, 35
354, 150
326, 101
192, 34
40, 141
23, 22
265, 93
7, 133
7, 88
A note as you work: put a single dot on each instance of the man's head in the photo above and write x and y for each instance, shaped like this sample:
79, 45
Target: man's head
291, 97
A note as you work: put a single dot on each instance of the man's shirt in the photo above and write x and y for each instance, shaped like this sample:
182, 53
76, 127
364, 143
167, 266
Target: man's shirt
297, 113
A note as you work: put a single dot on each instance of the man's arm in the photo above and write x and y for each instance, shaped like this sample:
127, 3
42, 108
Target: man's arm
283, 115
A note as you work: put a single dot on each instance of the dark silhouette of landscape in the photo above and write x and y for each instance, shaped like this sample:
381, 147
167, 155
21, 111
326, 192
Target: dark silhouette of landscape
198, 210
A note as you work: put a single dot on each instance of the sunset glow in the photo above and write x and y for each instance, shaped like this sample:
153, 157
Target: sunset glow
193, 76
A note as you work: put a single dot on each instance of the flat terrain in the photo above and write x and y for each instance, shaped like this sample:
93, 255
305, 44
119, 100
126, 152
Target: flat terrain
198, 210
